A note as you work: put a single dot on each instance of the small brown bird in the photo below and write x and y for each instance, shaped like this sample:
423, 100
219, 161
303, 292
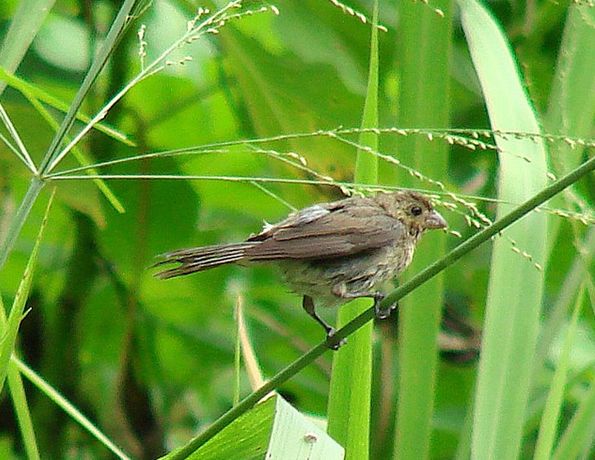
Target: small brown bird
331, 252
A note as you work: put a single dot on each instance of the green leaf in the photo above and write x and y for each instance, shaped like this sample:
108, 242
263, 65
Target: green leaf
272, 429
571, 104
515, 285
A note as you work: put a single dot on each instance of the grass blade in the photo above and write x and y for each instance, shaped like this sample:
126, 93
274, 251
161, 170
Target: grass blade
555, 398
23, 29
78, 153
20, 150
571, 105
21, 408
10, 330
19, 219
424, 101
351, 379
515, 285
581, 429
63, 403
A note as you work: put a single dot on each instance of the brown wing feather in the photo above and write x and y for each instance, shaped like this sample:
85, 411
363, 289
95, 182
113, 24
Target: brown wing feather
342, 231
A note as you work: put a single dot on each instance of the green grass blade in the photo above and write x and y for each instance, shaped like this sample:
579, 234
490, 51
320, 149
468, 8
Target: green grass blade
24, 27
9, 332
555, 398
63, 403
515, 285
424, 101
581, 429
33, 93
575, 276
351, 379
21, 408
571, 105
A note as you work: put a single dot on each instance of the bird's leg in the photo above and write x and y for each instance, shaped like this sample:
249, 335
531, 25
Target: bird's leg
308, 305
381, 313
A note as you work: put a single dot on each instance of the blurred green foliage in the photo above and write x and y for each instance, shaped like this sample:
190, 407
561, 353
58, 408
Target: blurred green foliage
152, 361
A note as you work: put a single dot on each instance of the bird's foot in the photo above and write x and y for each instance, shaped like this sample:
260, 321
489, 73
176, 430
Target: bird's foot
382, 313
331, 341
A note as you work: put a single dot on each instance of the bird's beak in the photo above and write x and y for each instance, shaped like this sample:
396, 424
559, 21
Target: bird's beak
435, 220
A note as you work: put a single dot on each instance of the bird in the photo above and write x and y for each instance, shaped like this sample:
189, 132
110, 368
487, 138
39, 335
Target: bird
329, 253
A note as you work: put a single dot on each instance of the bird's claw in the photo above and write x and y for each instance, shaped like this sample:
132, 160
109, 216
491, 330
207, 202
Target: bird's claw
332, 343
382, 313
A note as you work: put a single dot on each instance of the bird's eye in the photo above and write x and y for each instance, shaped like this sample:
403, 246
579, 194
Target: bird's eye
416, 210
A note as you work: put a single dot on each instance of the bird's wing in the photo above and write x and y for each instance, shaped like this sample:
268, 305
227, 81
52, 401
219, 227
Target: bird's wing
336, 229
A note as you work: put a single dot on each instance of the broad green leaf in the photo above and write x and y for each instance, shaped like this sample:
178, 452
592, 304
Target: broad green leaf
272, 429
516, 284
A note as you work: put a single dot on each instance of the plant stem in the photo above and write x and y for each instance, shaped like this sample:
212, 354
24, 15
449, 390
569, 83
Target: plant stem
17, 223
390, 299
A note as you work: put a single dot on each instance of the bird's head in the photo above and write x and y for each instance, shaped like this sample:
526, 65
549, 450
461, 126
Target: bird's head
413, 209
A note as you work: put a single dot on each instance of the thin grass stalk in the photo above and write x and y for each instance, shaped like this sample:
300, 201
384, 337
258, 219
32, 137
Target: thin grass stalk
55, 155
37, 182
111, 41
39, 99
20, 149
396, 295
16, 224
351, 378
21, 408
65, 405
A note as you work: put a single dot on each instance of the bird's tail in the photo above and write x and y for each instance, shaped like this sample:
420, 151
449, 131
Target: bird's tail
203, 258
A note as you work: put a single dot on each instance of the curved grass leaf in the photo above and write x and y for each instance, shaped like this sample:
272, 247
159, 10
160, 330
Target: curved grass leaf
515, 284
